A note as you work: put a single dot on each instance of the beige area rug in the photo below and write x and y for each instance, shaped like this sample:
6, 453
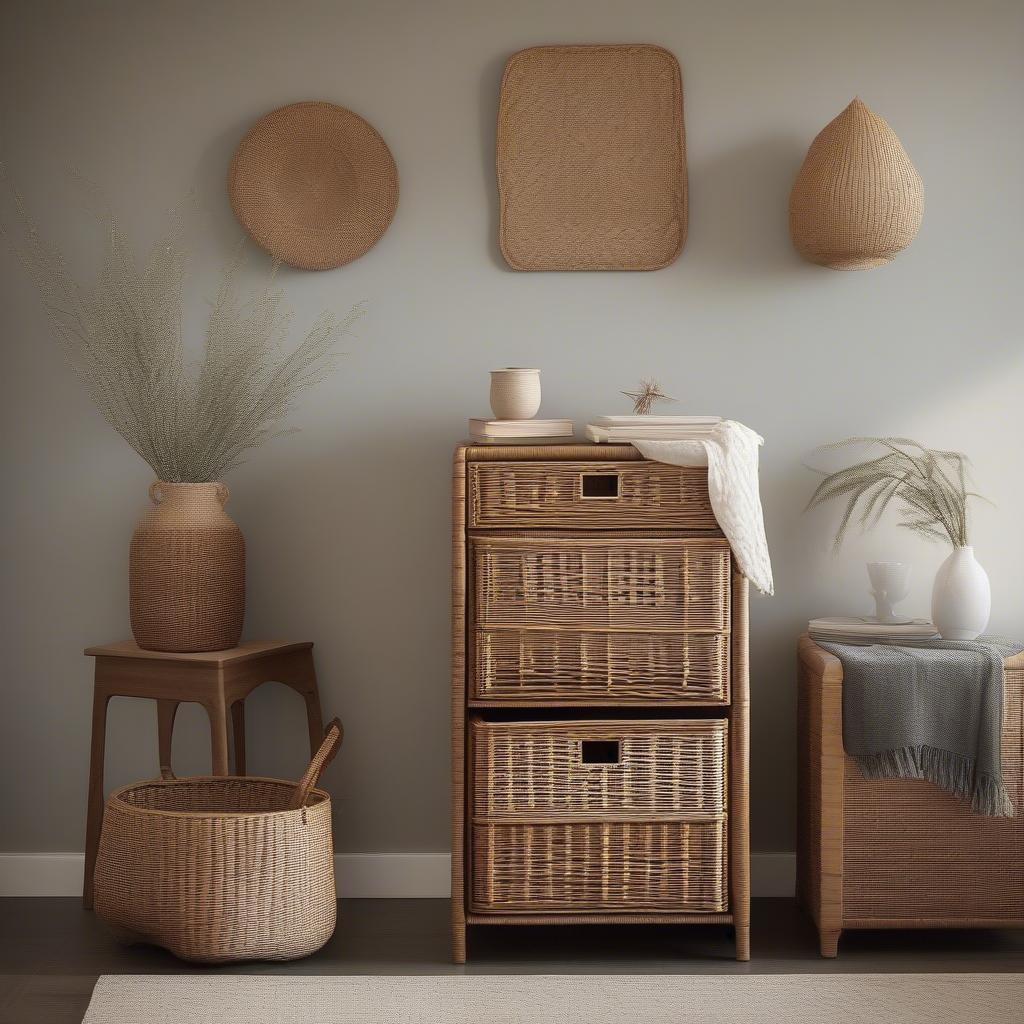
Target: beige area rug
566, 999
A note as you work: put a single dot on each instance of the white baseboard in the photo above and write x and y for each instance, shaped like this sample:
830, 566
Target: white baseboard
359, 875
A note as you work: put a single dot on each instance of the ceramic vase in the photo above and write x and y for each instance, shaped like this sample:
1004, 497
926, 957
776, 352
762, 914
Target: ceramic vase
961, 597
515, 393
187, 571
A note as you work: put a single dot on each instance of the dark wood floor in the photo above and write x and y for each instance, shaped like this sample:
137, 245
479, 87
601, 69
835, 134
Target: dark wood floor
52, 951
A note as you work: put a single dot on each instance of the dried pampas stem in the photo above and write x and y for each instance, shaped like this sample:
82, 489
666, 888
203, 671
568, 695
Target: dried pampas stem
123, 337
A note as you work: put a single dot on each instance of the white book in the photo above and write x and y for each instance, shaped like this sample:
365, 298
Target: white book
655, 421
665, 434
520, 428
625, 434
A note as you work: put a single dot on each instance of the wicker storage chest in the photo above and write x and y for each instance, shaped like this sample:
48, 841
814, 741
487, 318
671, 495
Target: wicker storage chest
599, 701
895, 853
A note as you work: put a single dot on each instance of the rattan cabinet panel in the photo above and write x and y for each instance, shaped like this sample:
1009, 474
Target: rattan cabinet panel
577, 667
899, 853
589, 495
611, 582
647, 867
599, 694
599, 771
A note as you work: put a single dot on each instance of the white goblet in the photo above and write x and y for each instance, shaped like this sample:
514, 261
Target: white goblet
890, 582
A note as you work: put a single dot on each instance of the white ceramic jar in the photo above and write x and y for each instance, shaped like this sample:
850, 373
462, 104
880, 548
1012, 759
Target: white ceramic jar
515, 393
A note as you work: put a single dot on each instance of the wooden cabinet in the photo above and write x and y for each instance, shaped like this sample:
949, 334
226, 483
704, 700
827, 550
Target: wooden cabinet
599, 697
899, 853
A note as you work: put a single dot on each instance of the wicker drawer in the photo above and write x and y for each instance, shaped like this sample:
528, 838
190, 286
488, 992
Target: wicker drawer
524, 666
599, 771
668, 867
589, 495
606, 583
599, 816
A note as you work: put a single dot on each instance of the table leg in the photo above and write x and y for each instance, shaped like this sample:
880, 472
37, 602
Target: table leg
314, 721
94, 818
238, 734
303, 682
743, 942
165, 712
829, 942
459, 943
218, 736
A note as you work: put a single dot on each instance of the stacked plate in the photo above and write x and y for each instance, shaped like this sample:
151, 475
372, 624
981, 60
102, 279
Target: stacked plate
842, 629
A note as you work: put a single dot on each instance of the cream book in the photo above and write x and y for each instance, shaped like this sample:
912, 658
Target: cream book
488, 429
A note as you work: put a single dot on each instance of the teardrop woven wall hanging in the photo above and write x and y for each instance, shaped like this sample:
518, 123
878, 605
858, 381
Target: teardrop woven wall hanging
858, 199
591, 158
314, 185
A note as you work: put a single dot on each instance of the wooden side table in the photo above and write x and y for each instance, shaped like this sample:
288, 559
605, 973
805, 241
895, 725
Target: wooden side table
899, 853
219, 681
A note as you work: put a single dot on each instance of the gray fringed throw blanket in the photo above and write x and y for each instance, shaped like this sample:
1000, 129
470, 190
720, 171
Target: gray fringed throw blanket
932, 711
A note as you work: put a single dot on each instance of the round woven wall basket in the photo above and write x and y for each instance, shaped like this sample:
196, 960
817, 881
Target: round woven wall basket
858, 199
314, 185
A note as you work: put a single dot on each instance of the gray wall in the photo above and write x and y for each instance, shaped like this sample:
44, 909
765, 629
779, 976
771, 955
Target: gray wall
347, 522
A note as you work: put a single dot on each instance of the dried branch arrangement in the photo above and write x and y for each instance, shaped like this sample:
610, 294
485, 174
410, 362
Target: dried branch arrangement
123, 337
644, 398
930, 487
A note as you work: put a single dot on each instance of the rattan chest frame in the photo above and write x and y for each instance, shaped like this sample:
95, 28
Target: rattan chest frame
899, 853
580, 627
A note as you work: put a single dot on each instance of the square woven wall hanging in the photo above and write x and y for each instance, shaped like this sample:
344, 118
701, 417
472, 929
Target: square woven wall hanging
591, 158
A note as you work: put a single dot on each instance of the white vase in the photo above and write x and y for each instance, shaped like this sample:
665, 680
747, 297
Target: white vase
515, 393
961, 597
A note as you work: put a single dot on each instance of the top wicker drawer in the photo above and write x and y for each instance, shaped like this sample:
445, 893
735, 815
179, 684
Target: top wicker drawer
589, 495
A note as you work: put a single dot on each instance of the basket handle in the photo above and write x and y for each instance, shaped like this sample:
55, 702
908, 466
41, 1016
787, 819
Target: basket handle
321, 759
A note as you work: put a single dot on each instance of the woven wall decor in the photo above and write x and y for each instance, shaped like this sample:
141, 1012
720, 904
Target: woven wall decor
314, 185
858, 199
591, 158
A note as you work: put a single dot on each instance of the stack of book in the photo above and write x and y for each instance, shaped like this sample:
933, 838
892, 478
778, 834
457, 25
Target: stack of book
651, 428
519, 431
867, 630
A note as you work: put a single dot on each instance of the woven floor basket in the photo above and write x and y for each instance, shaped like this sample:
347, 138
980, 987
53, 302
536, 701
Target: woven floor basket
221, 869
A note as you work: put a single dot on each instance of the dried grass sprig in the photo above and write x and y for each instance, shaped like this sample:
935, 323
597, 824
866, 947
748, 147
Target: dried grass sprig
644, 398
123, 337
929, 484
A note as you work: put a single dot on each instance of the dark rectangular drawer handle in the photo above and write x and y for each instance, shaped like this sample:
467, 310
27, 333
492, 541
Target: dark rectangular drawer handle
599, 485
600, 751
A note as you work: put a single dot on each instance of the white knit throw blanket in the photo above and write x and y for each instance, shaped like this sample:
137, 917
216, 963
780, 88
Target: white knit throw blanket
730, 453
